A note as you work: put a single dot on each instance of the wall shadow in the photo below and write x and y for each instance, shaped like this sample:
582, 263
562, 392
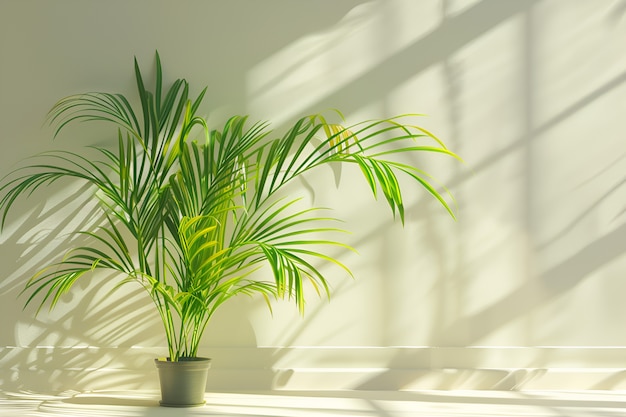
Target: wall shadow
87, 340
113, 325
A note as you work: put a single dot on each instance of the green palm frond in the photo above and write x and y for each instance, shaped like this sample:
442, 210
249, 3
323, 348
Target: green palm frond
195, 216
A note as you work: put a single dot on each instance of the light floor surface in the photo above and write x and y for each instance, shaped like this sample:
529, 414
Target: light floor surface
321, 403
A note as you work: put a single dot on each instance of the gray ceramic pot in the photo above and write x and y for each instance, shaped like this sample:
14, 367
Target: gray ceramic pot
183, 382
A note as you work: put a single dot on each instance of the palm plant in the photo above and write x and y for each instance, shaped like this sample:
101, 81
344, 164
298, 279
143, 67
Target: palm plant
196, 222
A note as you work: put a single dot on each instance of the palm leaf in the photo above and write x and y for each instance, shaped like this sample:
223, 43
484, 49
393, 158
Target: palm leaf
196, 220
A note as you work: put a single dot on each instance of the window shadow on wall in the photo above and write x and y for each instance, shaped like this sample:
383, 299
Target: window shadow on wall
434, 48
541, 286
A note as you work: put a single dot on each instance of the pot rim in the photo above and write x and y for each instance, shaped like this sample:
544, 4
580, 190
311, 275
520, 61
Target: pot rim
195, 362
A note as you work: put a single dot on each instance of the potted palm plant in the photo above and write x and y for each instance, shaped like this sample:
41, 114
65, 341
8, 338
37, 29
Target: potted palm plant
196, 222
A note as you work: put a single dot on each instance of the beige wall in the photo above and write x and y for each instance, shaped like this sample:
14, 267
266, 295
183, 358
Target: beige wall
531, 93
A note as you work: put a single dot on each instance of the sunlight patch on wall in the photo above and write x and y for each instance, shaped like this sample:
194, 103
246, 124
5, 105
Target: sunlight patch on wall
453, 8
576, 62
302, 74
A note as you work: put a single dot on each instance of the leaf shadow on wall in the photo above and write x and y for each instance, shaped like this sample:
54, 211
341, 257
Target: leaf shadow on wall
434, 48
87, 331
80, 343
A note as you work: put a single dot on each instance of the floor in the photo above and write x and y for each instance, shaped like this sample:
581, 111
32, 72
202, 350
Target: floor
331, 403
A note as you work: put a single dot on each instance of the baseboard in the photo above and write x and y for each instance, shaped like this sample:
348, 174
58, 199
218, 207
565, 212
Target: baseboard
58, 369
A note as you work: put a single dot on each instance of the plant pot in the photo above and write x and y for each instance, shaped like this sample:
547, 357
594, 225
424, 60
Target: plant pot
183, 382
